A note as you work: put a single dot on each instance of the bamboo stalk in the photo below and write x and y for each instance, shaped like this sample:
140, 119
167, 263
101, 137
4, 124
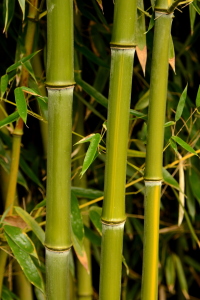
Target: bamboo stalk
60, 84
113, 214
154, 156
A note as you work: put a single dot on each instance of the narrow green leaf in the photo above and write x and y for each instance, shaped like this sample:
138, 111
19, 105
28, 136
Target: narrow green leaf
28, 66
91, 153
169, 179
21, 103
39, 232
198, 98
195, 4
95, 216
151, 23
76, 218
138, 114
4, 84
190, 199
9, 119
93, 237
7, 294
23, 60
80, 251
22, 5
41, 204
194, 178
29, 172
143, 102
43, 105
21, 180
8, 9
86, 193
191, 262
192, 12
26, 264
183, 144
170, 273
92, 92
181, 275
90, 55
21, 239
173, 145
170, 123
181, 104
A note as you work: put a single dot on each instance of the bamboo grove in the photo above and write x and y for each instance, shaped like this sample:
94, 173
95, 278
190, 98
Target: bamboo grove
99, 146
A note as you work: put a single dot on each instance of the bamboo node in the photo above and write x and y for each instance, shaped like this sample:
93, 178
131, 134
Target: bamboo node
153, 183
58, 250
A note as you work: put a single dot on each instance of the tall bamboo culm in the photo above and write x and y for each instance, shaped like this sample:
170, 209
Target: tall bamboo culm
113, 214
60, 84
154, 155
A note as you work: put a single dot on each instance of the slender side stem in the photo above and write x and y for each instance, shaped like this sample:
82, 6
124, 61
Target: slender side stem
60, 84
113, 214
84, 279
154, 156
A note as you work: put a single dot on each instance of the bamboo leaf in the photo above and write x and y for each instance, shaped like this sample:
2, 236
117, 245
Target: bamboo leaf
182, 190
29, 172
21, 103
93, 237
8, 9
92, 92
26, 264
10, 119
170, 273
190, 199
169, 179
22, 5
141, 48
143, 102
90, 55
76, 218
194, 177
181, 276
4, 84
21, 239
32, 223
80, 251
198, 98
151, 23
192, 12
28, 66
91, 153
181, 104
170, 123
95, 216
195, 4
86, 193
173, 145
192, 262
7, 294
183, 144
23, 60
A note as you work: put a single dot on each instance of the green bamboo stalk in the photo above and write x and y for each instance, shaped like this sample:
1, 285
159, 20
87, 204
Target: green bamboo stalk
113, 215
60, 84
154, 156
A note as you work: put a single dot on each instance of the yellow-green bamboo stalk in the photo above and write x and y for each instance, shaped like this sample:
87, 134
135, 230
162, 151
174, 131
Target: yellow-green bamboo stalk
154, 156
113, 215
60, 84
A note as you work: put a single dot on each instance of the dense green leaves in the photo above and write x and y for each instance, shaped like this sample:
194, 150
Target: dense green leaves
181, 104
21, 103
